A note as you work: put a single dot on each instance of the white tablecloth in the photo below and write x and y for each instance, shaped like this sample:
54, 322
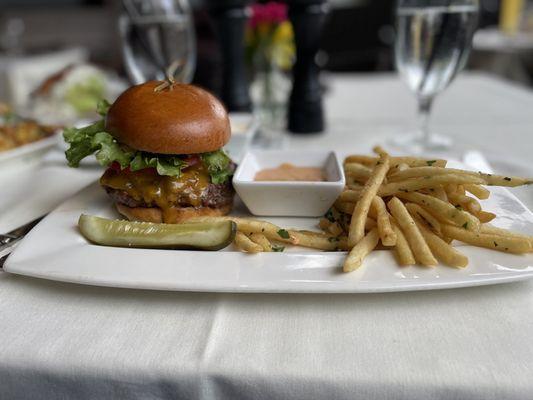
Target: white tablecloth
60, 341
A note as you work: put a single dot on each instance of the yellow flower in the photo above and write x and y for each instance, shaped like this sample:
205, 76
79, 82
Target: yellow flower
283, 45
284, 32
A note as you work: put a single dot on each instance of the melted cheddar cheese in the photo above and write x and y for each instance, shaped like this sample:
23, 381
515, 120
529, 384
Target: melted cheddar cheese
164, 191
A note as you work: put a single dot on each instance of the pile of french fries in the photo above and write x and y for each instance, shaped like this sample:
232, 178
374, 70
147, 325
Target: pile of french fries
417, 207
413, 206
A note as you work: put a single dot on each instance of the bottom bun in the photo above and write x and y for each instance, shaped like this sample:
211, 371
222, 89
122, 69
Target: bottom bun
176, 216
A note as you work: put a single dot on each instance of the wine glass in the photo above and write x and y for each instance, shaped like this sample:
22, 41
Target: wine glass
433, 41
158, 38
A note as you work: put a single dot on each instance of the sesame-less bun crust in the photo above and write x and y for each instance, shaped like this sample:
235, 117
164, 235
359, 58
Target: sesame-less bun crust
180, 119
180, 215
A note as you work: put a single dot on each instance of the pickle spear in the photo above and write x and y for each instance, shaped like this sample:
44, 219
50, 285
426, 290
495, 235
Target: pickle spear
121, 233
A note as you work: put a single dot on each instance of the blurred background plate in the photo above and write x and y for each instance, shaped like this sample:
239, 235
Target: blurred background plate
28, 153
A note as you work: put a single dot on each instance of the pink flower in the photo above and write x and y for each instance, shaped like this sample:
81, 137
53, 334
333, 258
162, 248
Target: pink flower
272, 12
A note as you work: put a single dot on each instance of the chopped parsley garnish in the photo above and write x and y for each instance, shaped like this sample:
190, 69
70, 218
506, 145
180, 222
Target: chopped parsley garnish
431, 162
507, 179
284, 234
465, 225
277, 248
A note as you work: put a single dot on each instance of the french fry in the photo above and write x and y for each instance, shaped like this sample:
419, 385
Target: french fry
410, 161
353, 183
508, 244
415, 210
485, 216
402, 251
370, 224
361, 250
335, 229
410, 185
360, 212
509, 181
245, 244
473, 208
415, 239
398, 167
488, 179
386, 233
479, 191
344, 206
332, 227
466, 202
443, 211
439, 193
451, 189
380, 151
358, 171
442, 250
317, 240
352, 196
447, 239
418, 172
324, 224
492, 230
262, 241
402, 166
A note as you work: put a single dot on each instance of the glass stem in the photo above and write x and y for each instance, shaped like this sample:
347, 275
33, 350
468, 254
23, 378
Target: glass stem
424, 109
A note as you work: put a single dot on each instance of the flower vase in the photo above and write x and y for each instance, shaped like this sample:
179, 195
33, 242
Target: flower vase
270, 90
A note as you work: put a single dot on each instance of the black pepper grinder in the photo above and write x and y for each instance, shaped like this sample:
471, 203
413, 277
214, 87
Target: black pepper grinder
229, 18
306, 114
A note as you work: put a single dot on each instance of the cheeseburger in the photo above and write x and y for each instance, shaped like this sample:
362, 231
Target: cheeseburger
162, 145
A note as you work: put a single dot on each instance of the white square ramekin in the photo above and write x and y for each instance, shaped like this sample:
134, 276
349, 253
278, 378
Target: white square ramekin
282, 198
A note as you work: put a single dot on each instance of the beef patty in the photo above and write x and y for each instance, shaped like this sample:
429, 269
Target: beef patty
215, 196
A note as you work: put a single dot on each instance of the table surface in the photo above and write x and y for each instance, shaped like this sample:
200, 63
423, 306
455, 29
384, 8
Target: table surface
62, 340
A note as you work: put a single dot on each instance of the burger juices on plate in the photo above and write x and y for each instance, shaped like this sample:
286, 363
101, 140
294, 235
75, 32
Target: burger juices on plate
162, 143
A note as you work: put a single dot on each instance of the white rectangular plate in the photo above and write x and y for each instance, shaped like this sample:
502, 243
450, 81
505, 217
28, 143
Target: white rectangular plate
55, 250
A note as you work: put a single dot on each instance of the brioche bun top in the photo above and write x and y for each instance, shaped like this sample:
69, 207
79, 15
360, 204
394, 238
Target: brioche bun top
178, 119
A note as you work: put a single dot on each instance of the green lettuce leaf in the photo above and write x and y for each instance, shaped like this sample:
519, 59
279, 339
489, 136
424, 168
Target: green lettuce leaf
93, 139
218, 165
80, 141
165, 165
110, 150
